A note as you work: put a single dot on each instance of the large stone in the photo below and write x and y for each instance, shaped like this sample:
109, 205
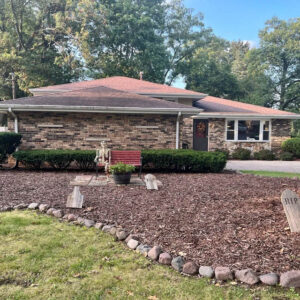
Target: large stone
33, 205
57, 213
165, 258
290, 279
177, 263
99, 225
206, 271
121, 234
132, 244
43, 207
50, 211
269, 279
113, 230
223, 273
21, 206
107, 228
143, 249
6, 208
131, 236
190, 268
247, 276
80, 220
88, 223
71, 217
154, 253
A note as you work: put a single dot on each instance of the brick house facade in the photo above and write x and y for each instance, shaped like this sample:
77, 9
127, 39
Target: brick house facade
136, 114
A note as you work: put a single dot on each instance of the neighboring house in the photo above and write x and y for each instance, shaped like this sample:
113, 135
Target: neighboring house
136, 114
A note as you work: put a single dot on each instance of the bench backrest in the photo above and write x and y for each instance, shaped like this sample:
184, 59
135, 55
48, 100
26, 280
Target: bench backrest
127, 157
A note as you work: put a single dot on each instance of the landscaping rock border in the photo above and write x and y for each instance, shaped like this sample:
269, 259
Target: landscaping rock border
290, 279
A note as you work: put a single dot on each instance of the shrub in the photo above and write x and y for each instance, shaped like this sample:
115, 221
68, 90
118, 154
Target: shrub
8, 144
293, 146
32, 158
264, 155
121, 168
241, 153
286, 156
57, 159
225, 151
183, 160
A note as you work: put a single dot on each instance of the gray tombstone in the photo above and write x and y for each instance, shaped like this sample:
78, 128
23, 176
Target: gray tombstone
75, 199
151, 182
291, 205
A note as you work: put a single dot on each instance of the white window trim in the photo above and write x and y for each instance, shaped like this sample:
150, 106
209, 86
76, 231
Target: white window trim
261, 128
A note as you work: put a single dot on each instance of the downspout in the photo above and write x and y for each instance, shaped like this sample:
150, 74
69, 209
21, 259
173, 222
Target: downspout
177, 129
16, 119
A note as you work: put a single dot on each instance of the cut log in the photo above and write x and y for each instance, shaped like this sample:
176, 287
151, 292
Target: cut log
75, 199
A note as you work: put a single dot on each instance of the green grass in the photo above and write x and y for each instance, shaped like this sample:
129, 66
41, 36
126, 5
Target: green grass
42, 258
272, 174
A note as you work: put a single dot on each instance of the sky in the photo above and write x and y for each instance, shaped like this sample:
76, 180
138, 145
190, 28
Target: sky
242, 19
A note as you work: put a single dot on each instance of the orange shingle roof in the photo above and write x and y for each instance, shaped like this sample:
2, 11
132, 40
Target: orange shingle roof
125, 84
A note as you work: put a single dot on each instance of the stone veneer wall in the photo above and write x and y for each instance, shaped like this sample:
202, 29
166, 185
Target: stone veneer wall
86, 130
280, 131
187, 132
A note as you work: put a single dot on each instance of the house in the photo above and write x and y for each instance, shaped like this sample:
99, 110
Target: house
136, 114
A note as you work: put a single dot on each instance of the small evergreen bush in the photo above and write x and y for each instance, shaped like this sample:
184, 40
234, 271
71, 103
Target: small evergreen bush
9, 142
286, 156
241, 154
293, 146
182, 160
264, 155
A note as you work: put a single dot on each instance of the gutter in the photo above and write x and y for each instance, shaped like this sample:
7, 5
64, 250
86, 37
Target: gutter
246, 116
98, 109
177, 130
15, 118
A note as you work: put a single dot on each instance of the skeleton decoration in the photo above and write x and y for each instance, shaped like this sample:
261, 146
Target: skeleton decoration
102, 157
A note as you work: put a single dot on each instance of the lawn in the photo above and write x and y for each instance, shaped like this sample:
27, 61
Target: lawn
42, 258
273, 174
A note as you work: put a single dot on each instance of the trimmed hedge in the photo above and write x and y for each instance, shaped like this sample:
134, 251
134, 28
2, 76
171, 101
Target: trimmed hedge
264, 155
241, 153
57, 159
156, 160
286, 156
183, 160
9, 142
292, 146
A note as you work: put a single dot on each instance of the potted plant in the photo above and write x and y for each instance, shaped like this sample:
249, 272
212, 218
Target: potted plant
121, 172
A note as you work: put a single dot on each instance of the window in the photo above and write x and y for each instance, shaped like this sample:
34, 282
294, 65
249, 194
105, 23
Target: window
247, 130
3, 122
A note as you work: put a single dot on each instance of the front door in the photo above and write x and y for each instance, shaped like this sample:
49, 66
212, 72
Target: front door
200, 136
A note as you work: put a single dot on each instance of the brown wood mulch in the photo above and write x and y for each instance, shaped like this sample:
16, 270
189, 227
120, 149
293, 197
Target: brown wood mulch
215, 219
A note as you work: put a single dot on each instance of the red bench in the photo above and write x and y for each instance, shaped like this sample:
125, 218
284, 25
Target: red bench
129, 157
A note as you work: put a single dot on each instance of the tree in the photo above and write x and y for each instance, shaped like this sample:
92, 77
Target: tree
209, 70
34, 44
279, 54
123, 37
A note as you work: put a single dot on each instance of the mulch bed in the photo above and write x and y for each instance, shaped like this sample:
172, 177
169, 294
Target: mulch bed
216, 219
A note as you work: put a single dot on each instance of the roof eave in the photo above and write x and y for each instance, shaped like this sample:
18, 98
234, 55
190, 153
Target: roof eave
177, 95
246, 116
99, 109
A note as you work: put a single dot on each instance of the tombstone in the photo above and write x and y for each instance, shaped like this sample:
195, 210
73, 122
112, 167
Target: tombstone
151, 182
291, 205
75, 199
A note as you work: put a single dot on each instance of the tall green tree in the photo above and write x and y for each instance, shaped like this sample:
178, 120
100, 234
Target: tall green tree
279, 55
34, 45
123, 37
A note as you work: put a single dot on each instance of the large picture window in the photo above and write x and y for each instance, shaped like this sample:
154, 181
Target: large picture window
248, 130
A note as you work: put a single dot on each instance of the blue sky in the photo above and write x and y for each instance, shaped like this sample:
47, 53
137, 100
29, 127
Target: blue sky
242, 19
